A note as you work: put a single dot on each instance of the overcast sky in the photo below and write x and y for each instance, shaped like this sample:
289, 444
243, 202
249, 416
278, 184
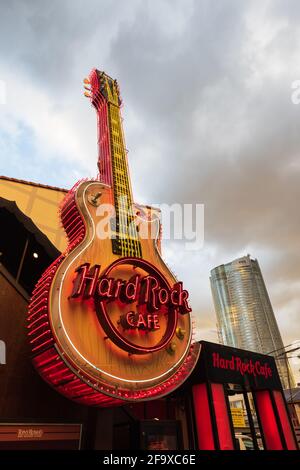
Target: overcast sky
208, 118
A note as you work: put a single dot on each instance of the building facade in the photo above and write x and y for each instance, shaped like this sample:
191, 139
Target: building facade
96, 347
195, 416
245, 317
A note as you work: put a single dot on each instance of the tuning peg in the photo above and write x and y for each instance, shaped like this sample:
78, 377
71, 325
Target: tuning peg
87, 81
87, 94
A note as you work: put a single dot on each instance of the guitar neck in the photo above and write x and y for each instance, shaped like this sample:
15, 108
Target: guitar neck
113, 169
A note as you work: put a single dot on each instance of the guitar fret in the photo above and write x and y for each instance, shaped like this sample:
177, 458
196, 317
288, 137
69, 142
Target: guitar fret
126, 240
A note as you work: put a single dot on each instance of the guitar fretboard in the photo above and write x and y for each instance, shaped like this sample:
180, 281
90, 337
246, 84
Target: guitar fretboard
113, 168
126, 241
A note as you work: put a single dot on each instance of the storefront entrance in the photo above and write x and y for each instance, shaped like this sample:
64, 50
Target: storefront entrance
238, 401
244, 419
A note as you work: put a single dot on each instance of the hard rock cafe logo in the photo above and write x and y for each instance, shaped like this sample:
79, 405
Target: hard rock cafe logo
243, 367
154, 304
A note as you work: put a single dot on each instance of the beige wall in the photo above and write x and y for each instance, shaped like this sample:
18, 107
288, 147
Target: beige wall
297, 409
40, 204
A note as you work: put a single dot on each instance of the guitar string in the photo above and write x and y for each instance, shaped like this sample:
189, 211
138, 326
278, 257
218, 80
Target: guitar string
128, 236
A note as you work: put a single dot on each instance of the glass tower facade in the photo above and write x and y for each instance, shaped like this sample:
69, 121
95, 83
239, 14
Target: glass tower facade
245, 317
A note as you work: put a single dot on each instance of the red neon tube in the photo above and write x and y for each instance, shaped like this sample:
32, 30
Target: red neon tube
284, 420
203, 418
266, 414
222, 418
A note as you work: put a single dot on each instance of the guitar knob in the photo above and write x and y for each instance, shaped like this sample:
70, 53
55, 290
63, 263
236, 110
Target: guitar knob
171, 348
180, 332
94, 199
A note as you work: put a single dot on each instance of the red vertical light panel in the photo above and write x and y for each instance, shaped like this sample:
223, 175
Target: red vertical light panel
268, 421
203, 418
284, 420
222, 418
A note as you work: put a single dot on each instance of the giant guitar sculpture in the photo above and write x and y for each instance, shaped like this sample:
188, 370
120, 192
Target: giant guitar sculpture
108, 321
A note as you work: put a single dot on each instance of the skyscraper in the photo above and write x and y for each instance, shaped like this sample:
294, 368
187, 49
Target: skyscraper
245, 317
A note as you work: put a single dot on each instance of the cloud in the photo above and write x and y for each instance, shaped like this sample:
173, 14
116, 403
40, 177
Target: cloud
208, 119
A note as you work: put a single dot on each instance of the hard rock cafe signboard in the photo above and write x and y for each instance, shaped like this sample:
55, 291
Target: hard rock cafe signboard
108, 321
154, 306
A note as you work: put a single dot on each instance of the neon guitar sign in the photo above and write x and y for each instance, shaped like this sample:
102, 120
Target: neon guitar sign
108, 321
150, 293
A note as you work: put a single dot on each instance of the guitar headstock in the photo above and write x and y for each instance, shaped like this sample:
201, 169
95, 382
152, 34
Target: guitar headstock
100, 85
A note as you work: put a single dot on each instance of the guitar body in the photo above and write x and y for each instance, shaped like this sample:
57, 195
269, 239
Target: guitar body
107, 326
